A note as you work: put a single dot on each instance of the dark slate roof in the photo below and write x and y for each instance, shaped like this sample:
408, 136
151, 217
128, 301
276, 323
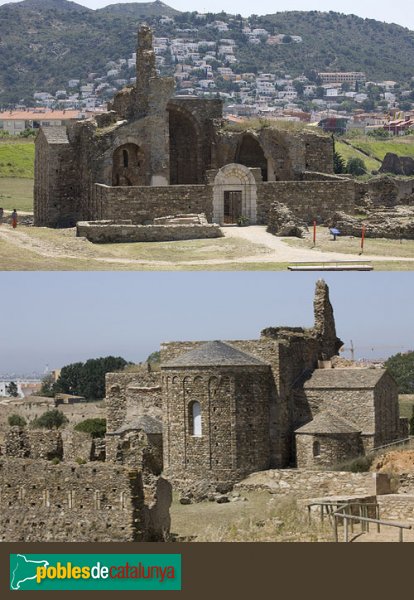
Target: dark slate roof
344, 378
56, 134
214, 354
144, 423
326, 422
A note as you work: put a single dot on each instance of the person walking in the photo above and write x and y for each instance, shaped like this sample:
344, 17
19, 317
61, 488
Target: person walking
1, 215
14, 218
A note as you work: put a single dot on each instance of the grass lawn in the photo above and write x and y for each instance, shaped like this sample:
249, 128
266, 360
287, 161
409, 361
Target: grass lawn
406, 402
348, 152
352, 245
16, 192
17, 158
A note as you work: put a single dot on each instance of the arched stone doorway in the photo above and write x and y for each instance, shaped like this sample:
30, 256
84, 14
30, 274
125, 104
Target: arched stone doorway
250, 154
234, 195
128, 165
184, 148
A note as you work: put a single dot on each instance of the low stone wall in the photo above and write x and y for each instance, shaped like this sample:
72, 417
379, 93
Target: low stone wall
81, 503
302, 483
397, 223
105, 232
308, 200
145, 203
397, 507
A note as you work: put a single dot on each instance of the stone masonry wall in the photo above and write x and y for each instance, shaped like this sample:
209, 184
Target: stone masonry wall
234, 439
68, 502
109, 232
143, 204
303, 483
334, 449
397, 507
309, 200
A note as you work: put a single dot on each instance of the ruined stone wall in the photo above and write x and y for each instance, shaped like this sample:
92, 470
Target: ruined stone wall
56, 187
143, 204
318, 153
309, 200
130, 396
234, 440
80, 503
36, 443
109, 232
333, 449
397, 507
387, 412
304, 483
385, 191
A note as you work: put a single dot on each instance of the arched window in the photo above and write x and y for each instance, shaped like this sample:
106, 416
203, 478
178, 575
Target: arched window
194, 416
316, 449
125, 158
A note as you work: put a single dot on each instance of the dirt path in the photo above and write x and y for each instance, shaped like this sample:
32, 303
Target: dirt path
71, 247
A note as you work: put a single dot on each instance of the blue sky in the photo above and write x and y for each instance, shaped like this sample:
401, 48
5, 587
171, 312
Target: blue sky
397, 11
58, 318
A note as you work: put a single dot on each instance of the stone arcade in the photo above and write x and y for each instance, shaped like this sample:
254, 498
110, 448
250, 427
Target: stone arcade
154, 154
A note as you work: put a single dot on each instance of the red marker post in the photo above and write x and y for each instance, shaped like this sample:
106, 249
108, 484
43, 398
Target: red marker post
314, 233
362, 238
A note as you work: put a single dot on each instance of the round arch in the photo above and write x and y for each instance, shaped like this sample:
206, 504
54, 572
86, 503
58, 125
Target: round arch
234, 195
185, 147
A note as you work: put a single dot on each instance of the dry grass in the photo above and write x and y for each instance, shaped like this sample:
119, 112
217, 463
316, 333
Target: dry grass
406, 402
262, 518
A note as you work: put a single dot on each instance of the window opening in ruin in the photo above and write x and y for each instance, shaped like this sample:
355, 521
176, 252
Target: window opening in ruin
194, 413
126, 158
316, 449
250, 154
232, 206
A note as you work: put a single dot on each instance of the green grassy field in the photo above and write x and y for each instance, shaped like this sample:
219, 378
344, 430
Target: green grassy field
16, 192
348, 152
376, 149
17, 158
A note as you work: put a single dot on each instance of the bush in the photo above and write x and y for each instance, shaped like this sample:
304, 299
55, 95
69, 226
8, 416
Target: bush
360, 464
339, 164
51, 419
55, 461
243, 221
356, 166
80, 461
16, 421
95, 427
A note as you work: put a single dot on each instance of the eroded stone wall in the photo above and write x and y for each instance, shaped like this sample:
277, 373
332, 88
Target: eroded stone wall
109, 232
80, 503
332, 449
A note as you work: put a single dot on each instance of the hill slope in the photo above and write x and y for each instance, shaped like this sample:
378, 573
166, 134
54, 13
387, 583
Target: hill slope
43, 43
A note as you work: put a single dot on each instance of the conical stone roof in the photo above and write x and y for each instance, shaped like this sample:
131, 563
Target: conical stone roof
214, 354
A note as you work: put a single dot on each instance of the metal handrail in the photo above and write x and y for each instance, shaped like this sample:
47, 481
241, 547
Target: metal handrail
365, 521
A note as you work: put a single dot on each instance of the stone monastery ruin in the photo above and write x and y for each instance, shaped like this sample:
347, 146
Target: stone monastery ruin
154, 154
215, 413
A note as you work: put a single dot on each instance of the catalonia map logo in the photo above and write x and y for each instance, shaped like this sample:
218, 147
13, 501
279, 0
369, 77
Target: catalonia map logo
95, 572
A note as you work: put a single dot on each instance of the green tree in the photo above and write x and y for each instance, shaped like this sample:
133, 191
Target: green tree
51, 419
401, 367
356, 166
339, 164
154, 357
95, 427
47, 388
16, 421
88, 379
12, 389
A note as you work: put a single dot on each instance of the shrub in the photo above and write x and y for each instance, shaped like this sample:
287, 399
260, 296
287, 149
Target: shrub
360, 464
55, 461
16, 421
51, 419
80, 461
243, 221
95, 427
356, 166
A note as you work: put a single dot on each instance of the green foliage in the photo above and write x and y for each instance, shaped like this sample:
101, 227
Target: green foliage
95, 427
379, 134
28, 133
356, 166
360, 464
12, 390
16, 421
47, 388
16, 158
339, 164
55, 460
243, 221
80, 461
401, 367
51, 419
154, 357
88, 379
